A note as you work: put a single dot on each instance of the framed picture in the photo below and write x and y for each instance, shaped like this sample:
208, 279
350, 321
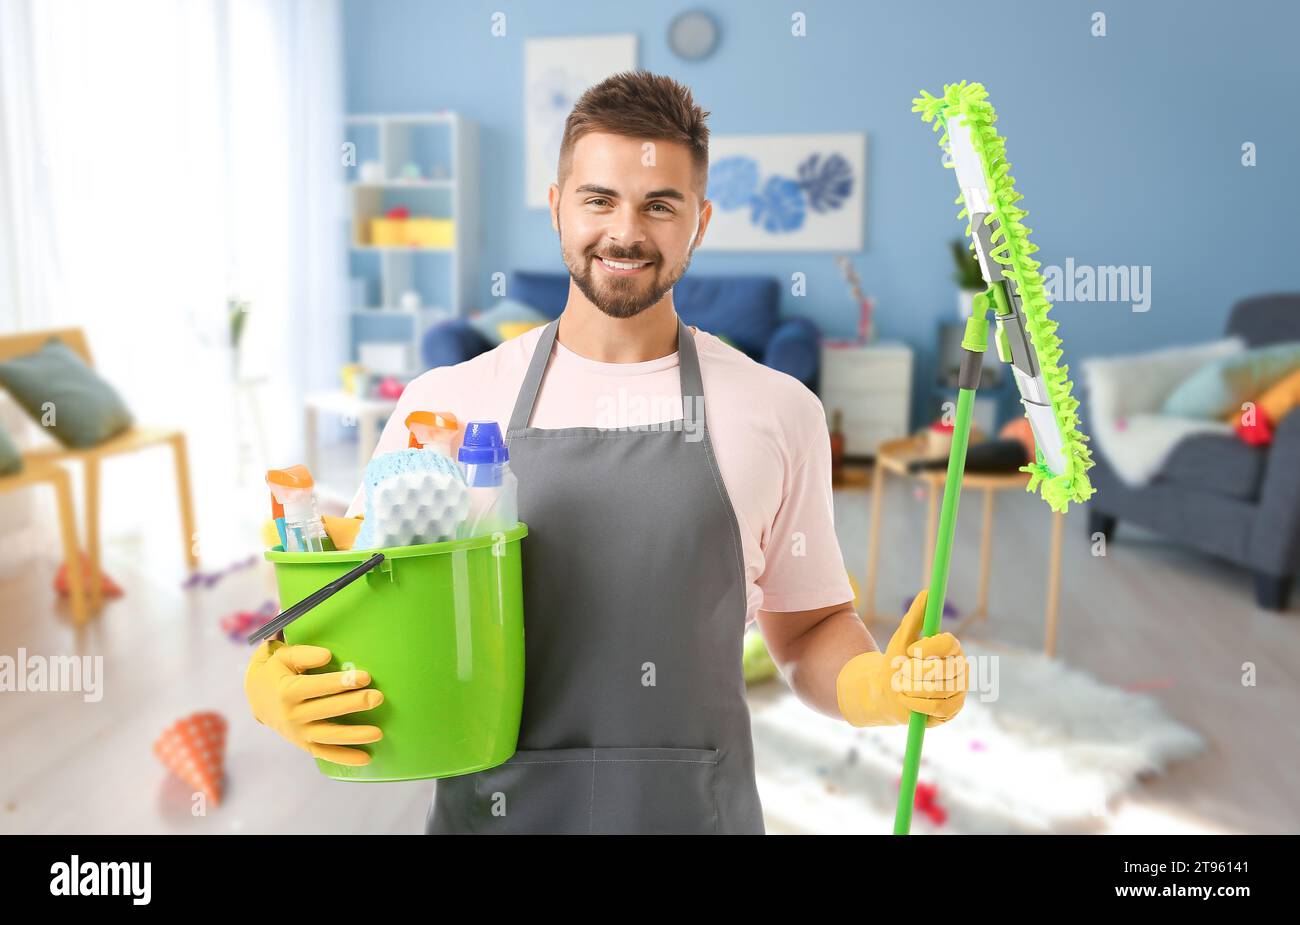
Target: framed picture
787, 192
556, 72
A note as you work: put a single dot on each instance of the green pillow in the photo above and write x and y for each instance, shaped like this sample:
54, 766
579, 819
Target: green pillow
11, 460
65, 396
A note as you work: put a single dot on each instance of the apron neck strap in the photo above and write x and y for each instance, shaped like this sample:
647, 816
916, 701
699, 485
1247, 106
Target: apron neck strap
688, 371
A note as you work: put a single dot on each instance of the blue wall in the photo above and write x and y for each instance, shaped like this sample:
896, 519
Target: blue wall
1127, 147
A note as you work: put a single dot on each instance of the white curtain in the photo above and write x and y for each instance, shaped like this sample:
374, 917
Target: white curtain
27, 250
157, 158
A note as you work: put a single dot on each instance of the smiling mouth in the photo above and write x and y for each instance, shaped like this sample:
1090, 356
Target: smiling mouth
623, 267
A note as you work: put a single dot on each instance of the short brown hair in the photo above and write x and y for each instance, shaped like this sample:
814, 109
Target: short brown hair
639, 104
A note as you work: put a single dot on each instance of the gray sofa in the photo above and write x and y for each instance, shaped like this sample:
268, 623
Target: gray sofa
1217, 494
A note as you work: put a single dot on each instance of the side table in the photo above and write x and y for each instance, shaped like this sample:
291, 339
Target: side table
369, 415
893, 457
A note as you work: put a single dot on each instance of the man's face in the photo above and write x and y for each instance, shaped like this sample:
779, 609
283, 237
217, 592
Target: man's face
632, 203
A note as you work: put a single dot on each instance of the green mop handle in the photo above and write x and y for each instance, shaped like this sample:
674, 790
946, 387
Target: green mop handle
973, 346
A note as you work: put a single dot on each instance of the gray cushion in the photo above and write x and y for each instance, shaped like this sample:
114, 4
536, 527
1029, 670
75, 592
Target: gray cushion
1212, 523
1218, 465
11, 460
65, 396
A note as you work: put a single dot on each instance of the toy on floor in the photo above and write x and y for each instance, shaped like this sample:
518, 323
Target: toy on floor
240, 623
208, 579
756, 662
108, 587
927, 803
413, 496
194, 749
1025, 338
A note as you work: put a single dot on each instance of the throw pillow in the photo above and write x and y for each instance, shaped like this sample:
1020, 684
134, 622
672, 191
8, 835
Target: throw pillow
1221, 386
64, 395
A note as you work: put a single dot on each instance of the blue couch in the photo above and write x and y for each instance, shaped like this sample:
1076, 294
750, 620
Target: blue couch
743, 309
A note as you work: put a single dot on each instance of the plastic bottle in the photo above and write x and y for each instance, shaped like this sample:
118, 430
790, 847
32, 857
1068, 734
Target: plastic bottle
293, 499
432, 430
493, 488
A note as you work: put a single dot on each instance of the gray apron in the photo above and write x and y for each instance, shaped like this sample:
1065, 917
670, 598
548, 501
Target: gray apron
634, 717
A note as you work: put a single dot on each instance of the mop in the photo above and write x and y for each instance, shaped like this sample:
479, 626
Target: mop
1025, 338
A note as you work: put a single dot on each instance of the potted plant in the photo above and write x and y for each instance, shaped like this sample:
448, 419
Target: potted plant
968, 277
236, 316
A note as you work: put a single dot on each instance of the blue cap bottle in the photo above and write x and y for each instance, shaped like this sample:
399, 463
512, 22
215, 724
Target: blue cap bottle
483, 454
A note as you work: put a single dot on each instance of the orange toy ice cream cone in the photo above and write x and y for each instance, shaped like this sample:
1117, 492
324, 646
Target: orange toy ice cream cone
194, 749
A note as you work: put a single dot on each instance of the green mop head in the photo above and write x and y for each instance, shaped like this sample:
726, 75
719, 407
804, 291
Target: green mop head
1026, 337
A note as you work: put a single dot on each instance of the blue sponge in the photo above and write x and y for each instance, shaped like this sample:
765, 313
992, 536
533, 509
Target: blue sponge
413, 496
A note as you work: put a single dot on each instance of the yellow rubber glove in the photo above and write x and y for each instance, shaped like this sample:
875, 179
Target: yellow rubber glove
297, 705
883, 688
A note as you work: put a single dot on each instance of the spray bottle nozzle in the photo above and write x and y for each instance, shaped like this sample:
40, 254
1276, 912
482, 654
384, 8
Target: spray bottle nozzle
429, 428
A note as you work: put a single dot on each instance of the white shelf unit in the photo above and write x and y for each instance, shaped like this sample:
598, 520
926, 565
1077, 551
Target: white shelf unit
444, 146
871, 387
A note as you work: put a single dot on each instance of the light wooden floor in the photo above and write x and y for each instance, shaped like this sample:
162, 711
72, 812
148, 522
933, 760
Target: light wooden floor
1145, 613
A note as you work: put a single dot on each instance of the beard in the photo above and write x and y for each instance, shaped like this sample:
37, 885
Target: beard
623, 297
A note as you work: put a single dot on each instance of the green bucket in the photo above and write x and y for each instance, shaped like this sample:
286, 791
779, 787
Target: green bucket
440, 629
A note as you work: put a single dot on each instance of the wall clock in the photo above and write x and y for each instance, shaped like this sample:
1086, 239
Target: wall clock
693, 35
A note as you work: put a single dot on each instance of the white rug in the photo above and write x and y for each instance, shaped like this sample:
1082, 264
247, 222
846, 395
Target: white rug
1049, 753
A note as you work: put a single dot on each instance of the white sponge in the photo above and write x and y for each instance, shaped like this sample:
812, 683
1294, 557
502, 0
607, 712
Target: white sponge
413, 496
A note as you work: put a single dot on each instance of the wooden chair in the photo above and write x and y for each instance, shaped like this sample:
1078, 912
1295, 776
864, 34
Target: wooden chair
130, 440
36, 473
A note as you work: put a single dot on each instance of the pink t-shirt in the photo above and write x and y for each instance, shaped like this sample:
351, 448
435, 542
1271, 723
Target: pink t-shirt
768, 432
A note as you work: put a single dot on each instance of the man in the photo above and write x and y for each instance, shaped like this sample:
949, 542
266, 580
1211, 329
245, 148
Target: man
652, 541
